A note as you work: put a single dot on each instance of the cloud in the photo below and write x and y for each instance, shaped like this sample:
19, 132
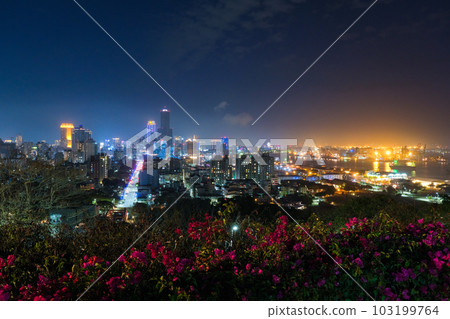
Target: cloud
221, 106
225, 25
241, 119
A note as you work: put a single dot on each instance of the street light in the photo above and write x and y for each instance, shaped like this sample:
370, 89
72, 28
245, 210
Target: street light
233, 229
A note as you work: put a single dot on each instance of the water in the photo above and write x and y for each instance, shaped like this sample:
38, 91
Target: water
426, 171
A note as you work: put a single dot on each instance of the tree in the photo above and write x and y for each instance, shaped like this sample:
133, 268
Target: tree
30, 189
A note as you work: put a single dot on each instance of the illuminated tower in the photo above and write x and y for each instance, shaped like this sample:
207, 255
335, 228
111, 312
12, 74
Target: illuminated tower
165, 118
165, 129
151, 128
66, 135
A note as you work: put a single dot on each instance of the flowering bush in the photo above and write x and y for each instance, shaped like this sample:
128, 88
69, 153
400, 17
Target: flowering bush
207, 261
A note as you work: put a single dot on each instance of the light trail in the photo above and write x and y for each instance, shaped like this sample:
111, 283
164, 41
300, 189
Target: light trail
129, 195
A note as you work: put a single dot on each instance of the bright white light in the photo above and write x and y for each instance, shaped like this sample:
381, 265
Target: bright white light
235, 228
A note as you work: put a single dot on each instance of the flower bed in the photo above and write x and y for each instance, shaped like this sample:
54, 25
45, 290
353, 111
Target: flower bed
208, 261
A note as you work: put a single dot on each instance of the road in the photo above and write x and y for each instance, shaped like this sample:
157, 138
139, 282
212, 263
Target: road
129, 196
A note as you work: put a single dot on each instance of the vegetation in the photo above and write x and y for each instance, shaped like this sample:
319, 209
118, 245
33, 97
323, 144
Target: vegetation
30, 189
188, 255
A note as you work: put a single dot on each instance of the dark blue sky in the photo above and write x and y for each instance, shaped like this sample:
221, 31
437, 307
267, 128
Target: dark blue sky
385, 82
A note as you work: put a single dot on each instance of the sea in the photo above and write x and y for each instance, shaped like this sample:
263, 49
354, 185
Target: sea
426, 171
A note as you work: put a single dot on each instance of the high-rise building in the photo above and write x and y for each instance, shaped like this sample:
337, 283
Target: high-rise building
221, 170
66, 135
149, 180
151, 128
99, 167
190, 147
6, 148
80, 135
178, 146
225, 146
254, 170
83, 145
19, 140
165, 129
165, 118
117, 143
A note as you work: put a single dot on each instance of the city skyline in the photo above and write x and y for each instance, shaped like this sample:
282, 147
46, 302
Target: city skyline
383, 83
283, 151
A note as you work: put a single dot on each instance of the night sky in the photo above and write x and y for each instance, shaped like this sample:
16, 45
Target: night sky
385, 82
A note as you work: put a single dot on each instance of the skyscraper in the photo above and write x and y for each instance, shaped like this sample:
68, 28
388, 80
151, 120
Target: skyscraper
165, 129
99, 165
19, 140
83, 145
165, 118
66, 135
81, 135
151, 128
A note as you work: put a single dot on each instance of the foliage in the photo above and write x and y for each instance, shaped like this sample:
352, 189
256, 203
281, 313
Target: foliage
208, 261
30, 189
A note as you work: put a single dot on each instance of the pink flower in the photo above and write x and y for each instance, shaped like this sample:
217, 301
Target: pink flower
178, 231
405, 294
11, 259
218, 252
4, 292
39, 298
122, 259
321, 283
276, 279
139, 256
4, 296
420, 221
424, 290
388, 293
359, 262
283, 219
115, 283
232, 255
136, 278
248, 267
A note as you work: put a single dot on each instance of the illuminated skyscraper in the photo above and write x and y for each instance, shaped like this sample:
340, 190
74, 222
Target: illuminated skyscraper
99, 165
165, 118
165, 129
225, 146
117, 143
66, 135
151, 128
